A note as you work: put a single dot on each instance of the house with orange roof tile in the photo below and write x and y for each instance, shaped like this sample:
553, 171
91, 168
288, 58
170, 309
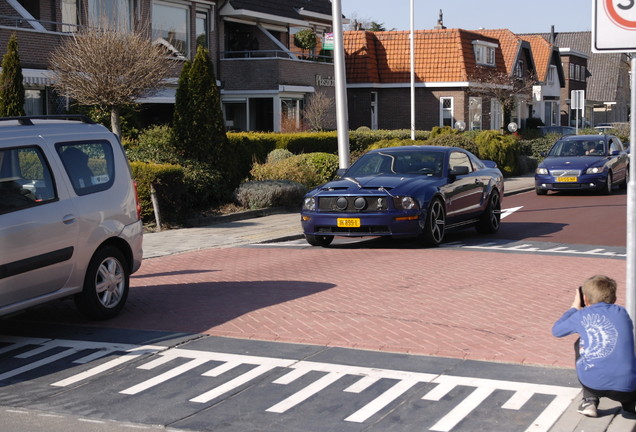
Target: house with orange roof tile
448, 90
547, 94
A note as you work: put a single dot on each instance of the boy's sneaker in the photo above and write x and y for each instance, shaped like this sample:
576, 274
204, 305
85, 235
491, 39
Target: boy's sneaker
588, 407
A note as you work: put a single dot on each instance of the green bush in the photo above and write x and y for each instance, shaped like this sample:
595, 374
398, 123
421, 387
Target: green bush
310, 169
168, 182
270, 193
455, 140
395, 142
278, 155
443, 130
502, 149
362, 138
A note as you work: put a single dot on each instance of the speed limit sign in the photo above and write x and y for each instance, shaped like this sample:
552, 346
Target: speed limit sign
614, 26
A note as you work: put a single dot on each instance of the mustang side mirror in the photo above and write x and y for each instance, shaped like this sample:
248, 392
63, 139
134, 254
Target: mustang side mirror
459, 171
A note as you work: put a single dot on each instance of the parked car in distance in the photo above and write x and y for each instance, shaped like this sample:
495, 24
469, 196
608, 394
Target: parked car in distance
70, 221
583, 162
561, 130
411, 191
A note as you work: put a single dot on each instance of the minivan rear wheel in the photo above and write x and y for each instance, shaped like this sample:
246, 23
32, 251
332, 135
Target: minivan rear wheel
105, 285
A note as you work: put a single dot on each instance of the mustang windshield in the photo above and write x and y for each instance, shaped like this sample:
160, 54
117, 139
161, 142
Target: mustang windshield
428, 163
579, 148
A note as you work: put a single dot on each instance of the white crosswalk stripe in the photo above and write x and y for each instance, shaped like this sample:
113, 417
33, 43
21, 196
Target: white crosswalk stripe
48, 351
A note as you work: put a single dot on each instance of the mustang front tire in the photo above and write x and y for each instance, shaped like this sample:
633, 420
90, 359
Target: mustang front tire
319, 240
435, 225
490, 220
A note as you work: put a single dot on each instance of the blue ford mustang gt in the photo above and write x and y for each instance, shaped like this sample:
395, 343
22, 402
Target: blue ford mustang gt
583, 162
413, 191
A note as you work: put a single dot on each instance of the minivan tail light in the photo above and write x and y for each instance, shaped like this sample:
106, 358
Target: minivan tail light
138, 205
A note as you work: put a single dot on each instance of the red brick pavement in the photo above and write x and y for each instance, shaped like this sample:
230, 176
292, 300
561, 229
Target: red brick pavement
440, 302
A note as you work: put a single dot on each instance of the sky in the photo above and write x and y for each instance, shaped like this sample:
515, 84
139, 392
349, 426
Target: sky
534, 16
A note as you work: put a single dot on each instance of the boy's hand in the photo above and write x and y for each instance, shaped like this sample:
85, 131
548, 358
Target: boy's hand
578, 301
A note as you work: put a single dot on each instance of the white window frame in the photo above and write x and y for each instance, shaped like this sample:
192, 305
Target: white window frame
443, 110
484, 52
188, 24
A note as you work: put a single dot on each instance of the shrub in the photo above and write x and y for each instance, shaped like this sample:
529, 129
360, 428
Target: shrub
362, 138
455, 140
278, 155
502, 149
443, 130
310, 169
160, 176
270, 193
395, 142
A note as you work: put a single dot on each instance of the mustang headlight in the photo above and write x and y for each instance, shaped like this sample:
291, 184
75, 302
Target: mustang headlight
309, 204
542, 171
405, 203
594, 170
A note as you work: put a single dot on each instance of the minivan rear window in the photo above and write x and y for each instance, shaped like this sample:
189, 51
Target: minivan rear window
89, 165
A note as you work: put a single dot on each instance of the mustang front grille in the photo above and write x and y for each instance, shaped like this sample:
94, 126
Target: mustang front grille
369, 229
353, 203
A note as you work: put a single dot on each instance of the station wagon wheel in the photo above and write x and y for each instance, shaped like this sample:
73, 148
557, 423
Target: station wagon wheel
608, 185
319, 240
626, 179
435, 226
105, 284
489, 221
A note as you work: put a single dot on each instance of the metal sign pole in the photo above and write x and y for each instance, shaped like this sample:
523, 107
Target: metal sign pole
630, 287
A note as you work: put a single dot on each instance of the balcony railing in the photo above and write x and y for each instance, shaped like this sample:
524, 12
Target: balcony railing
268, 54
21, 23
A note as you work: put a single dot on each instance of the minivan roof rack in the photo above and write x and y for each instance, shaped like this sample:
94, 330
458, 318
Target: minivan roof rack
27, 120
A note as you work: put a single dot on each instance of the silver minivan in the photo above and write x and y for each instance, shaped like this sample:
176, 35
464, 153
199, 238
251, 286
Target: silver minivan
70, 222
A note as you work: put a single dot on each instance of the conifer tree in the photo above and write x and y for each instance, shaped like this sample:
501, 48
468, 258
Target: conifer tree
11, 86
198, 119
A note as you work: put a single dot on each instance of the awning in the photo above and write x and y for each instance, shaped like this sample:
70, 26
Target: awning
165, 95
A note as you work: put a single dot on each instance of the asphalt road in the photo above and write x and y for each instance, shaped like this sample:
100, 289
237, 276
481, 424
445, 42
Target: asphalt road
370, 335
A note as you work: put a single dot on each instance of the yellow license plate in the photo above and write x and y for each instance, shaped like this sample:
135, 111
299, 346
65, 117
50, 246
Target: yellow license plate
566, 179
348, 223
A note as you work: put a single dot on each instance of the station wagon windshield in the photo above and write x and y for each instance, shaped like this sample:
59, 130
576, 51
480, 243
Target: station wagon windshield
593, 147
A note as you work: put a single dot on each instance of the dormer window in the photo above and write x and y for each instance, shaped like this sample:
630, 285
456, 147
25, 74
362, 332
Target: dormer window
484, 52
519, 69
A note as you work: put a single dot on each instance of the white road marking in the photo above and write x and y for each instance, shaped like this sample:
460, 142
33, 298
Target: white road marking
507, 212
405, 380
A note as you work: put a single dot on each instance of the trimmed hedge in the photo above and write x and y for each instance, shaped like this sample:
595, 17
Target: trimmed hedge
168, 182
270, 193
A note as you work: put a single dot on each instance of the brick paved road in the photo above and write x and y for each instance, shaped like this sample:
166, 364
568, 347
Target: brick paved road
441, 302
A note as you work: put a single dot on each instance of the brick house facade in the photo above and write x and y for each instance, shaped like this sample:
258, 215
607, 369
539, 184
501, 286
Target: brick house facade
264, 79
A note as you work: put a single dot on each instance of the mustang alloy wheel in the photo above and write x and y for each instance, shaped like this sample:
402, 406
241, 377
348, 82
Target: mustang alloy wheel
435, 226
490, 220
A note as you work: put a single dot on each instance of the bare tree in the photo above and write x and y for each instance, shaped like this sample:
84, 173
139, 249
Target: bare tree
109, 67
503, 87
316, 113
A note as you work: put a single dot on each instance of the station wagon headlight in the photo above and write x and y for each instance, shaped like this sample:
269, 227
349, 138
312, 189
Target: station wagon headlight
542, 171
309, 204
405, 203
594, 170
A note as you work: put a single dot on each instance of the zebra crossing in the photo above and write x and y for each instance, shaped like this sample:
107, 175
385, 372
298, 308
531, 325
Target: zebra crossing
234, 372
